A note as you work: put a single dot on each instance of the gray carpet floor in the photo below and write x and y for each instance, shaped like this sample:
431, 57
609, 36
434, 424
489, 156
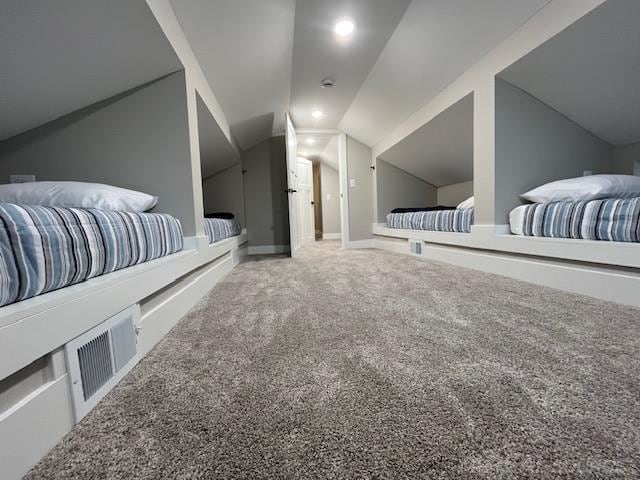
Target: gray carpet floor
367, 364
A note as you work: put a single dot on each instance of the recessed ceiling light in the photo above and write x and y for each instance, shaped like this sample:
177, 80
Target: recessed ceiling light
310, 141
316, 114
344, 28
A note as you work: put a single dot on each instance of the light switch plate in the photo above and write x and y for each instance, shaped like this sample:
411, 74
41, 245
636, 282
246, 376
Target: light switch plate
352, 182
22, 178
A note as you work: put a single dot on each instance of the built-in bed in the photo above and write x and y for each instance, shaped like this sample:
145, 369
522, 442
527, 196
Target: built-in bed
457, 220
218, 229
47, 248
615, 220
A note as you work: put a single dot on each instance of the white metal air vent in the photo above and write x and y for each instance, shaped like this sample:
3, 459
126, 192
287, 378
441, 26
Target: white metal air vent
98, 359
415, 247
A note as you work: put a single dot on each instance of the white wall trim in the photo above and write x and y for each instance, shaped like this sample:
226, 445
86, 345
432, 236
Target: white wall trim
331, 236
195, 243
361, 244
343, 177
391, 246
268, 249
606, 284
487, 237
34, 426
162, 312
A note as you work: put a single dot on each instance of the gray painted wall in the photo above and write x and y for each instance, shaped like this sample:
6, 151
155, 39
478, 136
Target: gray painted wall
398, 189
360, 196
137, 140
535, 145
626, 160
266, 203
452, 195
224, 192
330, 189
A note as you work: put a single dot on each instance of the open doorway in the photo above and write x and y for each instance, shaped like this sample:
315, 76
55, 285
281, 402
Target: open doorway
306, 150
323, 151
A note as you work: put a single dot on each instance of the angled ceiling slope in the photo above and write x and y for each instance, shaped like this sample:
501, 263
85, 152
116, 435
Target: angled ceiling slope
58, 57
441, 151
590, 72
318, 53
434, 44
244, 48
216, 153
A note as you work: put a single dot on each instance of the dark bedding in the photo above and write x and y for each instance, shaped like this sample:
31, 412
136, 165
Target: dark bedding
422, 209
222, 215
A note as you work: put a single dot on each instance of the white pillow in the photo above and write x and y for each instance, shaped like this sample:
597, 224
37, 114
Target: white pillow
582, 189
468, 203
77, 194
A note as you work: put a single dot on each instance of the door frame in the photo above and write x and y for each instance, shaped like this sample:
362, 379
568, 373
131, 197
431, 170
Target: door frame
291, 146
343, 175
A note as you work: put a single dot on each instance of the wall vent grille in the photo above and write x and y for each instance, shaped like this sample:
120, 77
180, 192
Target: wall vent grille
415, 247
98, 359
96, 364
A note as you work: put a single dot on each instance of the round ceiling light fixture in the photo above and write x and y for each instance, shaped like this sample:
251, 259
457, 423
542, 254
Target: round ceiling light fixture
310, 141
316, 113
344, 28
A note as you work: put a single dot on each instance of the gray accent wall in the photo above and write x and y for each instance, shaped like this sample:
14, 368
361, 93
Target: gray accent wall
535, 145
266, 203
224, 192
137, 140
360, 197
452, 195
330, 194
399, 189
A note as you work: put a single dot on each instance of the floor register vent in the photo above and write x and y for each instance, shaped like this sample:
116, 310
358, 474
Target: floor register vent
415, 247
98, 359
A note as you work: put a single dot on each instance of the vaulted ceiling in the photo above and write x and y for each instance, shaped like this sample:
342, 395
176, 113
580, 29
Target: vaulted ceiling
262, 58
590, 60
267, 57
59, 56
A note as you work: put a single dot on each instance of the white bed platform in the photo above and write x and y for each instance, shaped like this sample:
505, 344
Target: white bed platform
605, 270
36, 410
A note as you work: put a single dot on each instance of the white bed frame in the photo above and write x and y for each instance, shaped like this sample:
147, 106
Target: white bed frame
166, 289
605, 270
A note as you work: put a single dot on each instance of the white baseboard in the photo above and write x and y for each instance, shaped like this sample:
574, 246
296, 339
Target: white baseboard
605, 283
161, 313
331, 236
268, 249
34, 426
391, 245
361, 244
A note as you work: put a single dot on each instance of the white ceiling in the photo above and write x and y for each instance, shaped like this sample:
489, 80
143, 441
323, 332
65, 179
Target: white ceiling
216, 153
265, 57
318, 53
441, 151
324, 148
308, 150
244, 48
59, 56
434, 44
591, 72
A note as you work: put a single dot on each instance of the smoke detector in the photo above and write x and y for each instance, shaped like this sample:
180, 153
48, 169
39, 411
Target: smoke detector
328, 82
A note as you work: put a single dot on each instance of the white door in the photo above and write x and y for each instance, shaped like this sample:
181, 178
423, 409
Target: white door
292, 184
305, 201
